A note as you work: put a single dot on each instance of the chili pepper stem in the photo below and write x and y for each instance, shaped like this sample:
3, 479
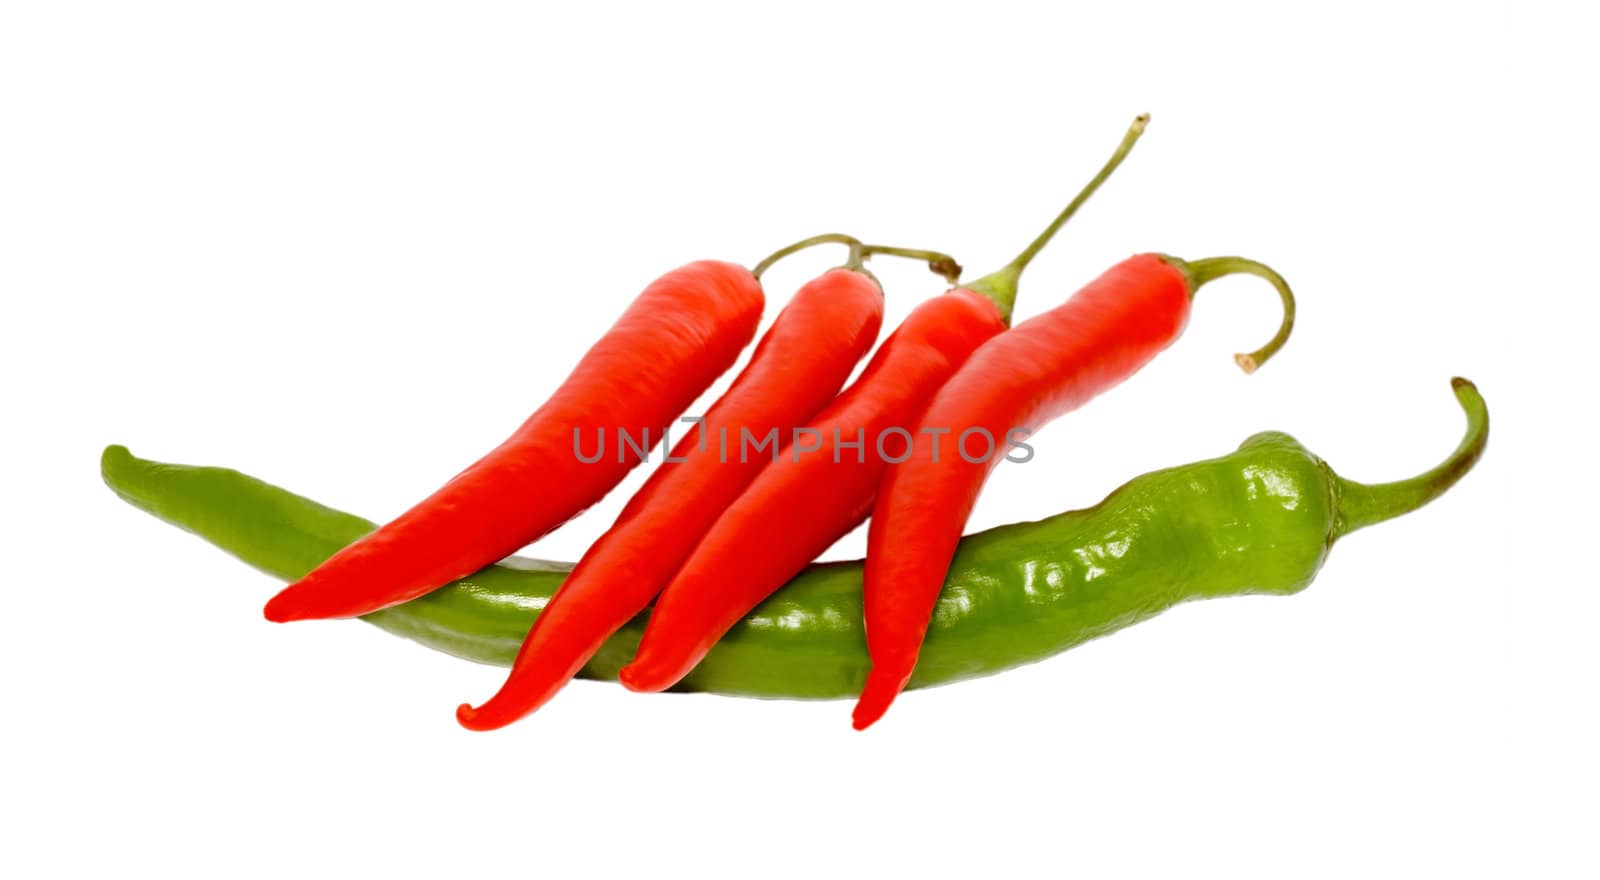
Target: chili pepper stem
1203, 272
940, 263
852, 262
1362, 505
1001, 286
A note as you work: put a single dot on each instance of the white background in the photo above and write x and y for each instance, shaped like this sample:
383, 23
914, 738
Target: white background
347, 247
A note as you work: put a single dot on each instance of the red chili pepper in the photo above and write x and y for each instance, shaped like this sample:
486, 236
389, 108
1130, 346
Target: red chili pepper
818, 493
798, 367
803, 502
677, 337
1040, 369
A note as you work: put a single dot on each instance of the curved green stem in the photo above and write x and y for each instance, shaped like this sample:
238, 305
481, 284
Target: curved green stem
1202, 272
854, 261
1001, 286
938, 263
1361, 505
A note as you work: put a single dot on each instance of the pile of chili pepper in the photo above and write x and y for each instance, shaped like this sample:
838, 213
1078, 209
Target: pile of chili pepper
719, 544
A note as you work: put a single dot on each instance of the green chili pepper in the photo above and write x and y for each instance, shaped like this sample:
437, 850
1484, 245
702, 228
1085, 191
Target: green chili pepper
1259, 520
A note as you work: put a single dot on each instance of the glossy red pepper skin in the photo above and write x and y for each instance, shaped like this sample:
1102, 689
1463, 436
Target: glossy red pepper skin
802, 503
674, 340
1040, 369
797, 368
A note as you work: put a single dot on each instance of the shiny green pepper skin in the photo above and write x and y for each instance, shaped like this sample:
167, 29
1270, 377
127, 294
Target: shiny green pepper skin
1258, 520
